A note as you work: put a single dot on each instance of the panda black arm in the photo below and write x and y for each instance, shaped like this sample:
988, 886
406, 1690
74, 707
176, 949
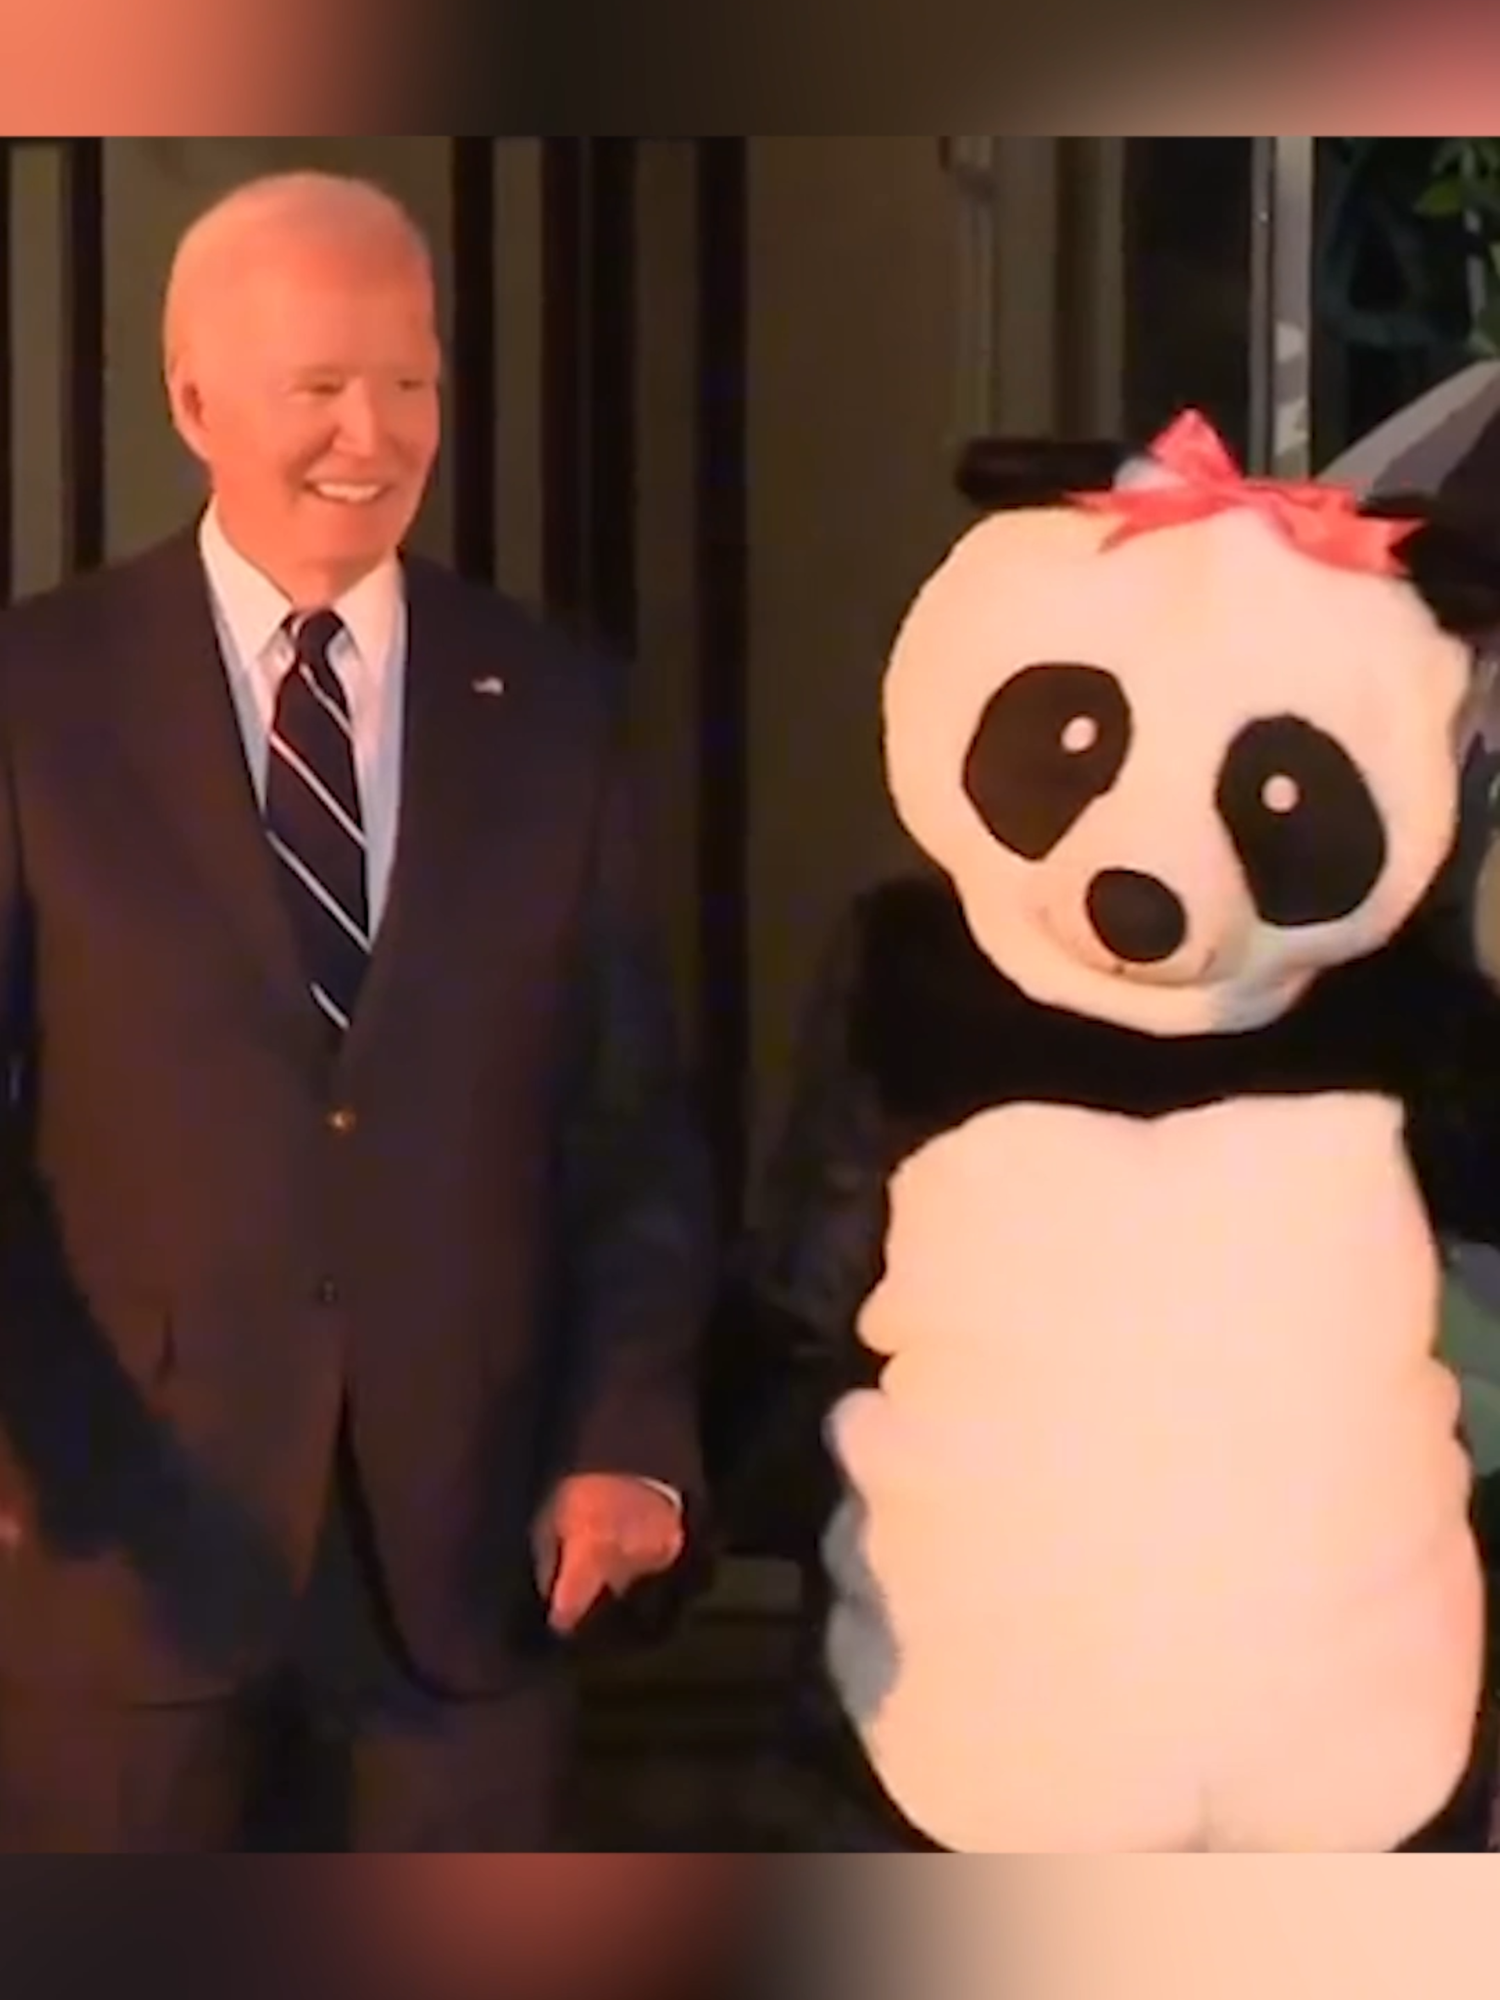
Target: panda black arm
911, 1031
784, 1347
1443, 1018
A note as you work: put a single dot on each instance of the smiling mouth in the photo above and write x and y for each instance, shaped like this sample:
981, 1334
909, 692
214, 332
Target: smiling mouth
347, 492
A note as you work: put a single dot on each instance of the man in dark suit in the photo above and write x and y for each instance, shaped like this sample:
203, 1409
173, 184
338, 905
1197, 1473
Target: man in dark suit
355, 1228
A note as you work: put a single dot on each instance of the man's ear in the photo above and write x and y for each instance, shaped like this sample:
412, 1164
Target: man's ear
185, 401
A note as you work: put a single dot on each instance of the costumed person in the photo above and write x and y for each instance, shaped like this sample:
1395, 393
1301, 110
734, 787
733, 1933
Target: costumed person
1123, 1142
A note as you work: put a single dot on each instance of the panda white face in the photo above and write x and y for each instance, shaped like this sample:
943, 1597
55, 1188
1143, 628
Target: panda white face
1175, 779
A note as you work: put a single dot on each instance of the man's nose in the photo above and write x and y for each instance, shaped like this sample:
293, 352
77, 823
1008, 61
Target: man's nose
359, 420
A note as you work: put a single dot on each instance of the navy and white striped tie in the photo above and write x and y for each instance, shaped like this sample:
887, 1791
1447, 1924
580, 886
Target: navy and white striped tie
313, 819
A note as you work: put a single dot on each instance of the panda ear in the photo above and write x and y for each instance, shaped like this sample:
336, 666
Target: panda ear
997, 473
1452, 560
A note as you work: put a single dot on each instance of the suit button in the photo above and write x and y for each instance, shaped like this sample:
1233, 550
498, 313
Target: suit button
342, 1120
327, 1293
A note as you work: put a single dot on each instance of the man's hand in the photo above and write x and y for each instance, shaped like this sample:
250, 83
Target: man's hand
601, 1531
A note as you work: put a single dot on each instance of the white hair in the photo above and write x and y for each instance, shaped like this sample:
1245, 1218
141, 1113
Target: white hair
306, 203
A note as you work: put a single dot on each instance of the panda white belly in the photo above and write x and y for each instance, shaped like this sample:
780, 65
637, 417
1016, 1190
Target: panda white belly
1156, 1529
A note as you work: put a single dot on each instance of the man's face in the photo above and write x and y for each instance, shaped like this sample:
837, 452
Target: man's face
308, 386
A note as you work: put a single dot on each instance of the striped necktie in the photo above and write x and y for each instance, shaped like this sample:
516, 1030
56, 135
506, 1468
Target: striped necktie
313, 819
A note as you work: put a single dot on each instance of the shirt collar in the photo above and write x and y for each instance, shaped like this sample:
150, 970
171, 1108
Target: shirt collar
253, 610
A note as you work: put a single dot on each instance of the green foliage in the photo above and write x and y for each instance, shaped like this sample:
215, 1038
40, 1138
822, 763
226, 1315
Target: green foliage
1465, 179
1466, 184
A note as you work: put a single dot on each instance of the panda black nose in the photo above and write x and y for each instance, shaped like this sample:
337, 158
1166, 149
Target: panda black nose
1136, 917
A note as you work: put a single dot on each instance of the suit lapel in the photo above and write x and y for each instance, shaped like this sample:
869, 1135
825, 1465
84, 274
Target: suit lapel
179, 723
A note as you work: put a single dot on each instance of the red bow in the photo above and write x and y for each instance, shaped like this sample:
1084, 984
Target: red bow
1321, 521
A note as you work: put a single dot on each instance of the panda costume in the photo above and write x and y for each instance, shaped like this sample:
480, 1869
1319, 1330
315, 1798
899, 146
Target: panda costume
1151, 1516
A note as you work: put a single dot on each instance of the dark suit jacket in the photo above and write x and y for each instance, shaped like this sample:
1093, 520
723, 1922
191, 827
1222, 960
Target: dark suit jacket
484, 1220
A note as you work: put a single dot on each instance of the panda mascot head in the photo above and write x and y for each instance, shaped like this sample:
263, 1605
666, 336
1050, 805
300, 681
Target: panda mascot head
1183, 740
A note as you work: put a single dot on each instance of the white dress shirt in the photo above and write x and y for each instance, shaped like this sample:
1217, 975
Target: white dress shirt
369, 657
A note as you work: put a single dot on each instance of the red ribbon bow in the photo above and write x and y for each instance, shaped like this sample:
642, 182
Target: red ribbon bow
1321, 521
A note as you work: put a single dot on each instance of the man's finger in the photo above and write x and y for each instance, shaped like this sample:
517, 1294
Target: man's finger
583, 1574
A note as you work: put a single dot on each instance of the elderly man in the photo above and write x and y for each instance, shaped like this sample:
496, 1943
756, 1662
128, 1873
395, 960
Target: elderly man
355, 1231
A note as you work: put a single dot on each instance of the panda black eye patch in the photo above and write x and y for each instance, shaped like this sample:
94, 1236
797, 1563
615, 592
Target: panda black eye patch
1308, 834
1050, 741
